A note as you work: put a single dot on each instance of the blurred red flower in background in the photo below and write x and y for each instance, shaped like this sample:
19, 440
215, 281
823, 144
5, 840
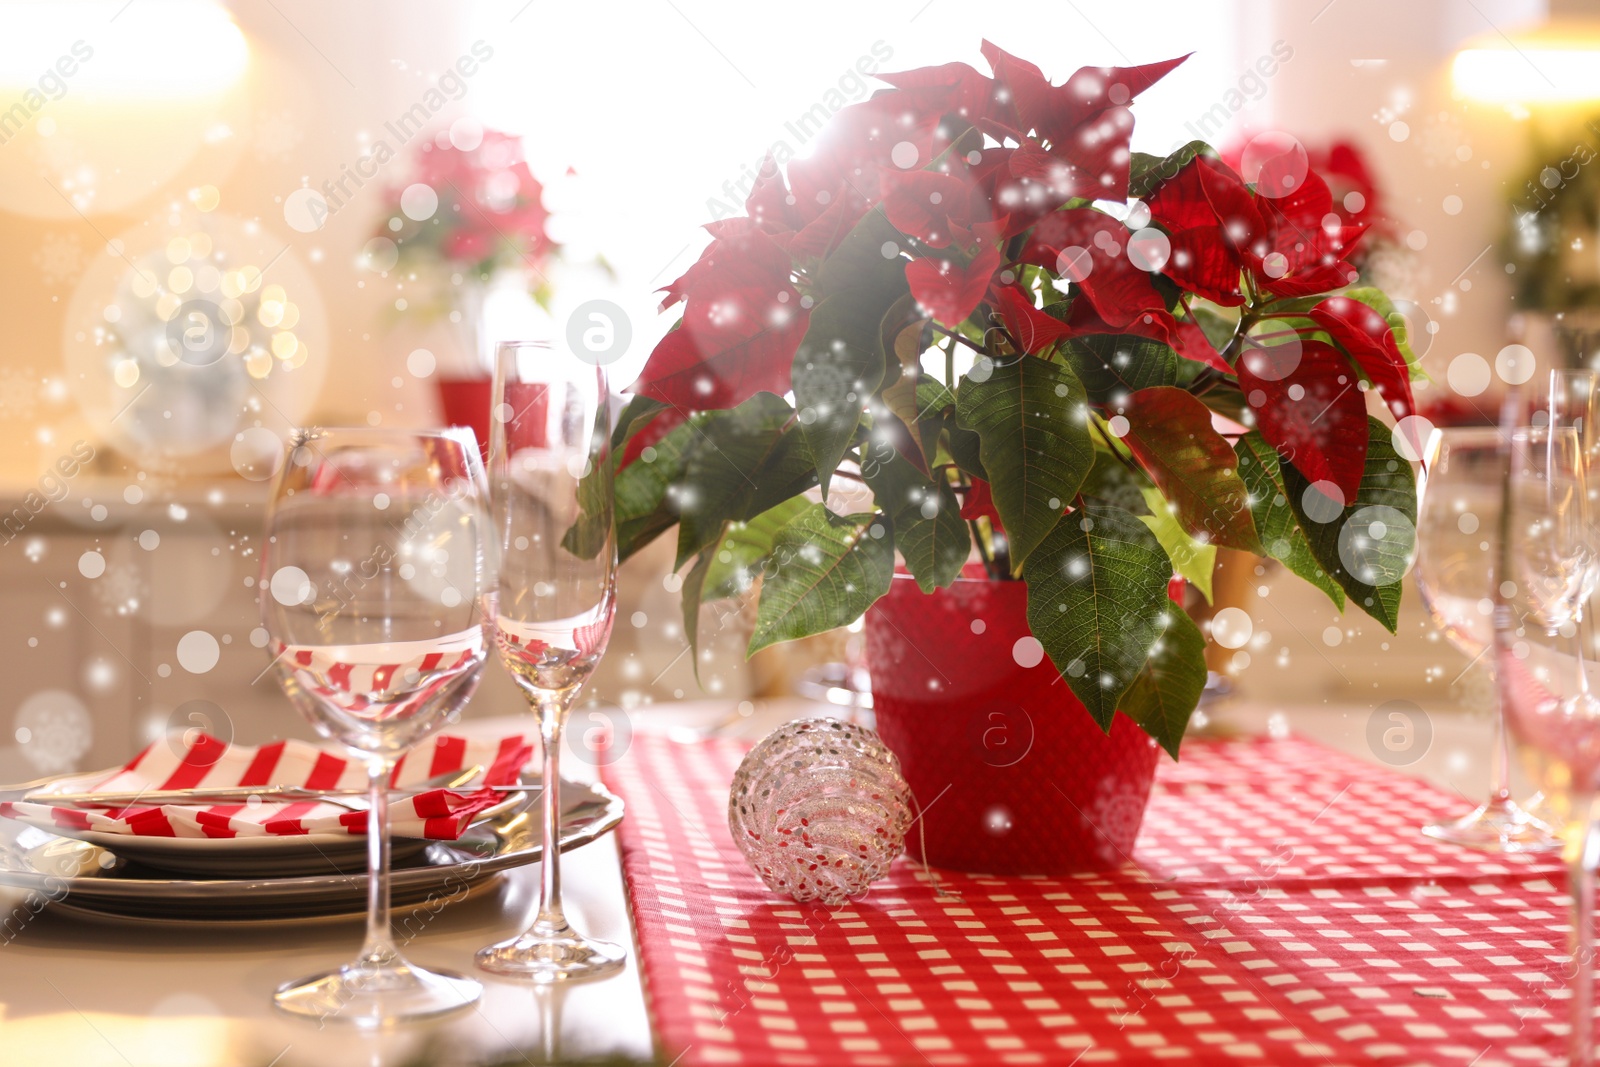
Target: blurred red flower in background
490, 213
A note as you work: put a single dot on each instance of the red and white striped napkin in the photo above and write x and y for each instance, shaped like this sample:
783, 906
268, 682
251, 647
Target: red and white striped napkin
439, 814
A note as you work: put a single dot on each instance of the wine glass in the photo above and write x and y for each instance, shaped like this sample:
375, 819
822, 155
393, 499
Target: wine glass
1574, 402
1458, 543
550, 464
377, 593
1547, 688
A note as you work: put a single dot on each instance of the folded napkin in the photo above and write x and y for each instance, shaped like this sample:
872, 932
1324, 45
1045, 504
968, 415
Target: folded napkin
440, 814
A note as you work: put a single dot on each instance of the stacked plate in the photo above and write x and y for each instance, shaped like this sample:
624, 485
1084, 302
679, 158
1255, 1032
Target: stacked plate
271, 879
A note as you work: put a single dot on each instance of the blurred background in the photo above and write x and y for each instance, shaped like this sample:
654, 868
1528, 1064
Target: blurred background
221, 220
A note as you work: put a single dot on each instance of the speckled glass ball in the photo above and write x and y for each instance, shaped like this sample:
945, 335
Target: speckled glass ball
820, 810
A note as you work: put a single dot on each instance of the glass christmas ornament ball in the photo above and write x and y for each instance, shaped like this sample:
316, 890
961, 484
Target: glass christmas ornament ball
820, 810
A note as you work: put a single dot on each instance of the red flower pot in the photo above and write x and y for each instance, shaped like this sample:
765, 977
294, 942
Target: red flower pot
1012, 774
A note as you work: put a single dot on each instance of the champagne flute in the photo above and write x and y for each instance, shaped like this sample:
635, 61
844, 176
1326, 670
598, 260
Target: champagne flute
550, 463
1575, 402
377, 592
1547, 690
1458, 542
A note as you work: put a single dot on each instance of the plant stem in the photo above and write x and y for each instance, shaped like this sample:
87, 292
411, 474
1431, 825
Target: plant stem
983, 549
1012, 341
1121, 456
1230, 354
1002, 558
1203, 381
958, 337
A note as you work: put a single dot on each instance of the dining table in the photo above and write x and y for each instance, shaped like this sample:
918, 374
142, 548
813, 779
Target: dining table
1280, 907
124, 993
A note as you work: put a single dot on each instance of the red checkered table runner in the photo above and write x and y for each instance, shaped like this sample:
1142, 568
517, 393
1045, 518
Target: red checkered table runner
1280, 908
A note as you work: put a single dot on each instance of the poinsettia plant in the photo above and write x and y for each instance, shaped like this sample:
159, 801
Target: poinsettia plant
490, 213
1087, 366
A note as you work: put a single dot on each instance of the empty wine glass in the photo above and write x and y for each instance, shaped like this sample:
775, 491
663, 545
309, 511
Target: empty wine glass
377, 593
550, 464
1458, 548
1574, 402
1547, 688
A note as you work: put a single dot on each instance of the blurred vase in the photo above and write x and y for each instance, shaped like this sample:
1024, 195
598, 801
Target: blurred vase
464, 380
1011, 774
465, 402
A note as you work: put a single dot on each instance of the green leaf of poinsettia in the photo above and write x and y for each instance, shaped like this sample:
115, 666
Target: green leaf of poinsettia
1034, 443
1367, 545
904, 366
643, 509
744, 460
1110, 481
635, 416
1276, 523
730, 566
933, 401
841, 360
737, 559
590, 533
1113, 366
1170, 432
693, 584
938, 407
1194, 561
1165, 693
825, 570
924, 512
1097, 591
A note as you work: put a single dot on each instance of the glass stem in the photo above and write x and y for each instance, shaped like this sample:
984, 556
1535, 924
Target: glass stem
1500, 749
379, 948
1577, 649
1581, 846
551, 918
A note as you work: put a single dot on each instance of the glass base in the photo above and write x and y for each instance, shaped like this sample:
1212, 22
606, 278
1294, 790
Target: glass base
1497, 826
1539, 807
368, 993
549, 954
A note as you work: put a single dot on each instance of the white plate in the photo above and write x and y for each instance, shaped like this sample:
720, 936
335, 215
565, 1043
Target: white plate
279, 856
85, 877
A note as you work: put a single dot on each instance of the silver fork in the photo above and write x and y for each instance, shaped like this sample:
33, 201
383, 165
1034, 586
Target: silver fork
223, 794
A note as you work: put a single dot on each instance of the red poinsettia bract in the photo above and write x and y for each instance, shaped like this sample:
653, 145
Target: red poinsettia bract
742, 321
744, 315
1288, 245
973, 214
